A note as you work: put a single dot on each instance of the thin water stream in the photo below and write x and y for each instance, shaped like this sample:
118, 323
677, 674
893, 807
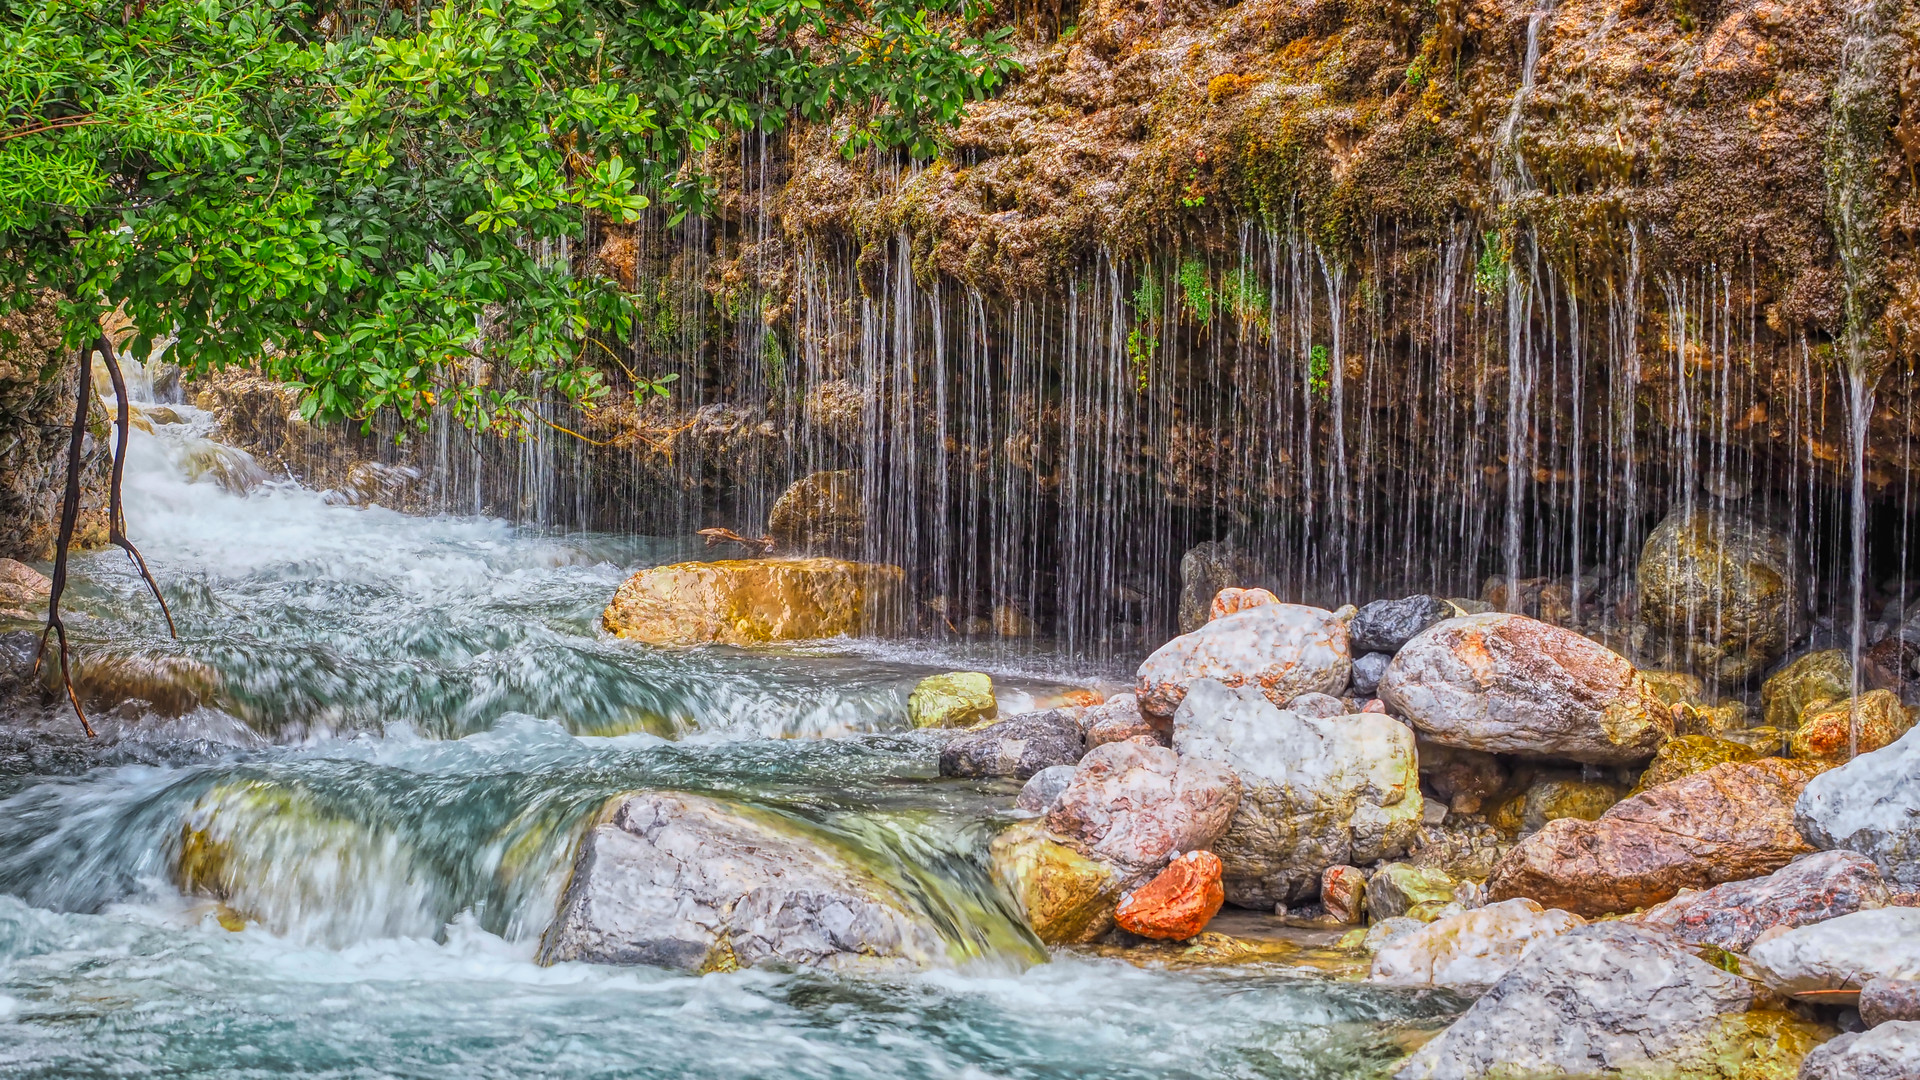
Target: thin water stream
336, 855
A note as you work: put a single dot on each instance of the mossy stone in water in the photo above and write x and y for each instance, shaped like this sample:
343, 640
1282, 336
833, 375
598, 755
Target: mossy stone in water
1812, 679
1398, 888
752, 601
1068, 897
956, 699
1690, 754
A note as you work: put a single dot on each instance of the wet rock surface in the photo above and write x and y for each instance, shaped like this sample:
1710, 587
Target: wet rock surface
1067, 897
750, 601
1178, 903
1870, 805
1205, 570
1729, 823
1018, 746
955, 699
1043, 787
1808, 890
1134, 805
1399, 889
1835, 732
1471, 950
1282, 650
1689, 754
1811, 679
1716, 590
1843, 953
821, 514
1385, 626
1509, 684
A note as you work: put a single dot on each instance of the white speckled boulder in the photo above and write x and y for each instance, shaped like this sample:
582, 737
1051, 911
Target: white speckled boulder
1870, 805
1281, 649
1471, 950
1842, 953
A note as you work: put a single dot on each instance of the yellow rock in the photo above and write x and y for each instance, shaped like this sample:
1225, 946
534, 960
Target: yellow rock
1068, 897
1690, 754
1765, 1044
1813, 678
1674, 687
955, 699
1825, 729
752, 601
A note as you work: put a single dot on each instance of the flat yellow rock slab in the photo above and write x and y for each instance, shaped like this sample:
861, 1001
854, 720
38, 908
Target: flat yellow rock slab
752, 601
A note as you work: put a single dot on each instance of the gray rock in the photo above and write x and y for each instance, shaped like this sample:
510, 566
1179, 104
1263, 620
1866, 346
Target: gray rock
1018, 746
1386, 625
688, 882
1317, 704
1886, 1000
1043, 787
1888, 1052
1842, 953
1206, 569
1367, 670
1604, 998
1870, 805
1808, 890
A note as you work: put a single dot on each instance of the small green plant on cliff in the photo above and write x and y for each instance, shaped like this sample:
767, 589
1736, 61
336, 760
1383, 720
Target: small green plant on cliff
1243, 294
1490, 276
1197, 289
1141, 347
1148, 297
1319, 372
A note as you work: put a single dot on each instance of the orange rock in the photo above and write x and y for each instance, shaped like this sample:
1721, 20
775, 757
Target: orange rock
1179, 903
1228, 601
1341, 889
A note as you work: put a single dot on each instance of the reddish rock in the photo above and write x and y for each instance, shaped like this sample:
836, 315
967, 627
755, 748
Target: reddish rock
1283, 649
1729, 823
1884, 1000
1178, 903
1228, 601
1133, 805
1117, 721
1809, 890
1826, 730
1342, 890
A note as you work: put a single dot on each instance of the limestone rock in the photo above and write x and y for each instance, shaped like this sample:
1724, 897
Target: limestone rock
1827, 731
1716, 591
1808, 890
751, 601
1343, 891
956, 699
821, 514
1229, 601
1116, 720
1601, 999
1205, 570
22, 588
1282, 649
1018, 746
688, 882
1067, 897
1471, 950
1043, 787
1316, 704
1385, 932
1176, 904
1888, 1052
1314, 792
1689, 754
1385, 626
1729, 823
1398, 888
1813, 679
1841, 953
1509, 684
1884, 1000
1367, 671
1134, 805
1870, 805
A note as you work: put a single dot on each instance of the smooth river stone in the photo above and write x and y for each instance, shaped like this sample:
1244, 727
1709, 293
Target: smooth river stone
1732, 915
1870, 805
1018, 746
1471, 950
1282, 650
1842, 953
1176, 904
751, 601
1134, 805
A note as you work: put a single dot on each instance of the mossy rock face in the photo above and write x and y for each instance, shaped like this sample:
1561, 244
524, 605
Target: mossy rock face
1716, 593
1068, 897
1552, 796
752, 601
1816, 678
1674, 687
1690, 754
1827, 731
1399, 888
956, 699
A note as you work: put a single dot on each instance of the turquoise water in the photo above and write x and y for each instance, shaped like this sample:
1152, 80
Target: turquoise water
397, 730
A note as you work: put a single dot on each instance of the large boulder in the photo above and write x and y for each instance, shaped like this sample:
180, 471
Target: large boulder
1314, 792
1842, 953
1815, 678
1716, 593
1870, 805
1207, 568
1837, 730
1807, 890
1888, 1052
688, 882
955, 699
1471, 950
1604, 999
752, 601
1134, 805
1729, 823
1508, 684
1068, 897
1018, 746
1385, 626
821, 514
1281, 649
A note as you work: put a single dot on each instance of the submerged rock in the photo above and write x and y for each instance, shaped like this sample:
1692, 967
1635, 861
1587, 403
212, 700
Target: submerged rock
1205, 570
1602, 999
1385, 626
1134, 805
1729, 823
1827, 732
1282, 649
1807, 890
1888, 1052
1870, 805
1513, 685
1067, 897
1471, 950
751, 601
1314, 792
821, 514
956, 699
1178, 903
1813, 679
1841, 953
688, 882
1018, 746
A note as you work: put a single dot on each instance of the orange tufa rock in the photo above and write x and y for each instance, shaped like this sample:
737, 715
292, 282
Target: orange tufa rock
1230, 600
1178, 903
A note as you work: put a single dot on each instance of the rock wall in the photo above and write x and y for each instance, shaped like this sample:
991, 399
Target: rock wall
37, 384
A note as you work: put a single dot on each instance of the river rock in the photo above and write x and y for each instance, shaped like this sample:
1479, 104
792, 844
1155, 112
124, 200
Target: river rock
1229, 601
22, 589
1888, 1052
1117, 720
1807, 890
1513, 685
1134, 805
1603, 999
956, 699
1466, 779
1729, 823
1550, 796
1384, 932
1716, 592
1685, 755
1890, 665
1471, 950
1384, 626
1368, 668
1067, 897
1314, 792
1282, 649
1400, 889
1176, 904
1316, 704
1466, 850
1841, 953
1870, 805
1813, 679
1827, 731
821, 514
1884, 1000
1343, 891
1018, 746
1205, 570
688, 882
751, 601
1675, 687
1043, 787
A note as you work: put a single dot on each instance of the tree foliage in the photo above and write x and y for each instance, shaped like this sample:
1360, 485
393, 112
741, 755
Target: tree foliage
375, 200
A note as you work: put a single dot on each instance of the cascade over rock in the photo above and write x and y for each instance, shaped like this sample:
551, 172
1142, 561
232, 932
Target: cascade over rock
1716, 590
751, 601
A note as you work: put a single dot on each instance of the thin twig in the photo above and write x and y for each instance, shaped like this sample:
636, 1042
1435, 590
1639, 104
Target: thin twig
116, 520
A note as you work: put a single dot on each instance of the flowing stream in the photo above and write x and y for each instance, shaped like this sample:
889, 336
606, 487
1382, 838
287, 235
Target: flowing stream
381, 735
